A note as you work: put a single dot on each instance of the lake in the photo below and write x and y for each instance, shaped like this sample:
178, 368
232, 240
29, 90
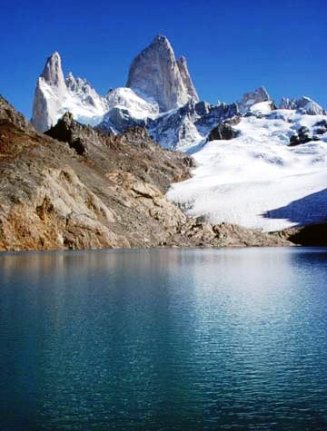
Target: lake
164, 339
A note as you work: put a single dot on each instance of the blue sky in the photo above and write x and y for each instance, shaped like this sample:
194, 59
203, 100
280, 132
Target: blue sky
232, 46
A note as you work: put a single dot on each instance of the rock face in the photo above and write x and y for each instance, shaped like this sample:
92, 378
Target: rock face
252, 98
54, 96
8, 114
53, 75
224, 131
303, 136
111, 194
311, 235
304, 105
45, 107
189, 125
156, 73
186, 77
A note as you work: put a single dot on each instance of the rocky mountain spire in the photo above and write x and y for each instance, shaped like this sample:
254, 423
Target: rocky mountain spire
50, 91
182, 65
54, 96
156, 74
53, 74
304, 104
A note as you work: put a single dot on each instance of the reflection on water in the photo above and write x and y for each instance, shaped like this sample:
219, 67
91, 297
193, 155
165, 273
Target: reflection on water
164, 339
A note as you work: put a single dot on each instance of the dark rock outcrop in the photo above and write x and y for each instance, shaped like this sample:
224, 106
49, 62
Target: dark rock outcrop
303, 136
310, 235
224, 131
320, 128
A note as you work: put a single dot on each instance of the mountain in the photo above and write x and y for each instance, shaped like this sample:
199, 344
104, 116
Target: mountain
187, 127
304, 105
254, 157
156, 73
157, 82
260, 95
55, 95
76, 188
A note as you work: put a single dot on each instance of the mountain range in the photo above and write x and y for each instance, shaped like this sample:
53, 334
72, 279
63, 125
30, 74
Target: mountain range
249, 168
232, 179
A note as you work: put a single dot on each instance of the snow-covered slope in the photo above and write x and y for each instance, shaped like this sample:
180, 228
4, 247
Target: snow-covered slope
257, 180
54, 96
127, 108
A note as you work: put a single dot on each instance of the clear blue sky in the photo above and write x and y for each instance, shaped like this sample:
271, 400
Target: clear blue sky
232, 46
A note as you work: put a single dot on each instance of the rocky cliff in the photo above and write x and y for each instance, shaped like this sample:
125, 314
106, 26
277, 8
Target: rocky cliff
156, 73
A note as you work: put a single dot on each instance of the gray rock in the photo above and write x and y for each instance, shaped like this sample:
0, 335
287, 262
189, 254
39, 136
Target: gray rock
44, 108
304, 105
251, 98
156, 73
183, 68
53, 74
223, 131
189, 123
9, 114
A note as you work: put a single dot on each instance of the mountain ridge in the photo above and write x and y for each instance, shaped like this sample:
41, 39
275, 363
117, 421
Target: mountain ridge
255, 144
76, 188
159, 87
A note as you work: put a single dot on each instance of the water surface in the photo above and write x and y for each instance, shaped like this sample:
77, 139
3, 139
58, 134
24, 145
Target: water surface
164, 340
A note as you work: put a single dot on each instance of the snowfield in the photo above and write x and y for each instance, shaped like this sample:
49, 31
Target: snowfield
257, 180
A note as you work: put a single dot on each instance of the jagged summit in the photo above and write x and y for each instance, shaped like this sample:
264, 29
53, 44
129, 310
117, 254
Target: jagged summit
161, 39
252, 98
304, 104
52, 72
156, 73
55, 95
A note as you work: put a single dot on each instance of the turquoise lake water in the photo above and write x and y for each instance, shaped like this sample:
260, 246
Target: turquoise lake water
164, 340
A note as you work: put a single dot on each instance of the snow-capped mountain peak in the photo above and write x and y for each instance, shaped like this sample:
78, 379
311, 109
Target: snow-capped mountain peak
54, 96
304, 104
156, 73
52, 72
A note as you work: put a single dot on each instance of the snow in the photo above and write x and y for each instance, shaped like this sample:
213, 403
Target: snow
242, 180
138, 105
83, 102
261, 108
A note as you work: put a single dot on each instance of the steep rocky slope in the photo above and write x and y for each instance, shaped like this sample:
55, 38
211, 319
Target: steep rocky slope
77, 188
157, 74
